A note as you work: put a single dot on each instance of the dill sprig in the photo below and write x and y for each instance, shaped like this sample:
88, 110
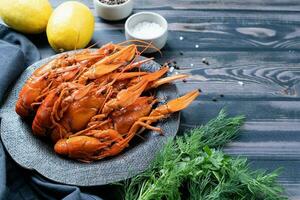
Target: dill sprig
192, 167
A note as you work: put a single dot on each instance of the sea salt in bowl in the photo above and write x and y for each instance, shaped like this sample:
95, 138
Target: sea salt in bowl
113, 12
148, 27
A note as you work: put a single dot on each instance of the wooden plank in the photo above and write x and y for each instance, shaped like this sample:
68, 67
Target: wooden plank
214, 30
277, 122
279, 5
292, 191
242, 31
263, 74
55, 3
206, 42
220, 4
212, 18
269, 113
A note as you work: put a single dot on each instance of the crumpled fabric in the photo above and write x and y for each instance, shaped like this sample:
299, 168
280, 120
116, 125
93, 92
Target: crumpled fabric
16, 53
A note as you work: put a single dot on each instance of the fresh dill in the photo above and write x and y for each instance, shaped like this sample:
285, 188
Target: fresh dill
192, 167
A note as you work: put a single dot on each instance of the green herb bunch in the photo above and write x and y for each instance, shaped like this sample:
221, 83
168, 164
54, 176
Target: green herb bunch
192, 167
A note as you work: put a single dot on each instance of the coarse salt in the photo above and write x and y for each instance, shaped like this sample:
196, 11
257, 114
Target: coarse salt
171, 69
147, 30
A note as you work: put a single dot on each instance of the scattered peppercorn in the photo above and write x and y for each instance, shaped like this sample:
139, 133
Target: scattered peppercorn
222, 95
184, 80
113, 2
181, 53
205, 62
199, 90
171, 69
172, 64
214, 99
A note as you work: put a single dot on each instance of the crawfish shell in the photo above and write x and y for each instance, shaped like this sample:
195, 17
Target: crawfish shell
35, 154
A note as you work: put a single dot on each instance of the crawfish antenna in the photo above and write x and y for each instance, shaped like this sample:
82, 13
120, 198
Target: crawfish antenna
145, 44
92, 45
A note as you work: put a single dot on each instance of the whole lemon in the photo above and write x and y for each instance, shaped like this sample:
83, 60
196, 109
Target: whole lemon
27, 16
71, 26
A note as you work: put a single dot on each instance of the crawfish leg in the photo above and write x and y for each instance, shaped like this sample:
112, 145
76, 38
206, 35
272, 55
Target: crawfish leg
108, 135
171, 107
110, 138
148, 126
120, 145
58, 133
149, 120
96, 119
94, 126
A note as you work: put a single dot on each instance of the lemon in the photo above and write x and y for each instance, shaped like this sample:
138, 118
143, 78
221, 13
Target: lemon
27, 16
71, 26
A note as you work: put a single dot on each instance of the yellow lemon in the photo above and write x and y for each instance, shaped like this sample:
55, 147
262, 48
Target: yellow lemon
71, 26
27, 16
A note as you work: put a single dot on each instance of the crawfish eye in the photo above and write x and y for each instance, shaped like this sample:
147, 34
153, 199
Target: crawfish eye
102, 92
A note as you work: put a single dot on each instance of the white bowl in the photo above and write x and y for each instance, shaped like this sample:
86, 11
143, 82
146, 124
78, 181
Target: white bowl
158, 41
113, 12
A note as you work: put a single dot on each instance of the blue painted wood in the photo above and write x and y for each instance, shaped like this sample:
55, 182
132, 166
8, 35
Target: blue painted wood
281, 5
255, 42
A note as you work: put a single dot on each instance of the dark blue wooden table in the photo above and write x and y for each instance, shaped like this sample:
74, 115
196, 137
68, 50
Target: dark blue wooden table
254, 60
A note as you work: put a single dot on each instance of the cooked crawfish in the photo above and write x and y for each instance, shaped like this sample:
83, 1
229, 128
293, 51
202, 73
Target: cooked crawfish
65, 68
55, 105
92, 103
110, 142
69, 108
109, 64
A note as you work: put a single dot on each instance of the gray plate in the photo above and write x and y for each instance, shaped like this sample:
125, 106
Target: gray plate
35, 154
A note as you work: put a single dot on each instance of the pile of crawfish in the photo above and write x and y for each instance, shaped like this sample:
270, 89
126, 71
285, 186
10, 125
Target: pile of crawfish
93, 102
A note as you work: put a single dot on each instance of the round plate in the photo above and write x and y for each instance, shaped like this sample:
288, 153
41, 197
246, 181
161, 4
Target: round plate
35, 154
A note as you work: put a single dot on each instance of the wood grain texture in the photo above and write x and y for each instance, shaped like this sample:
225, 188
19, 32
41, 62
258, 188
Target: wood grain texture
279, 5
255, 42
